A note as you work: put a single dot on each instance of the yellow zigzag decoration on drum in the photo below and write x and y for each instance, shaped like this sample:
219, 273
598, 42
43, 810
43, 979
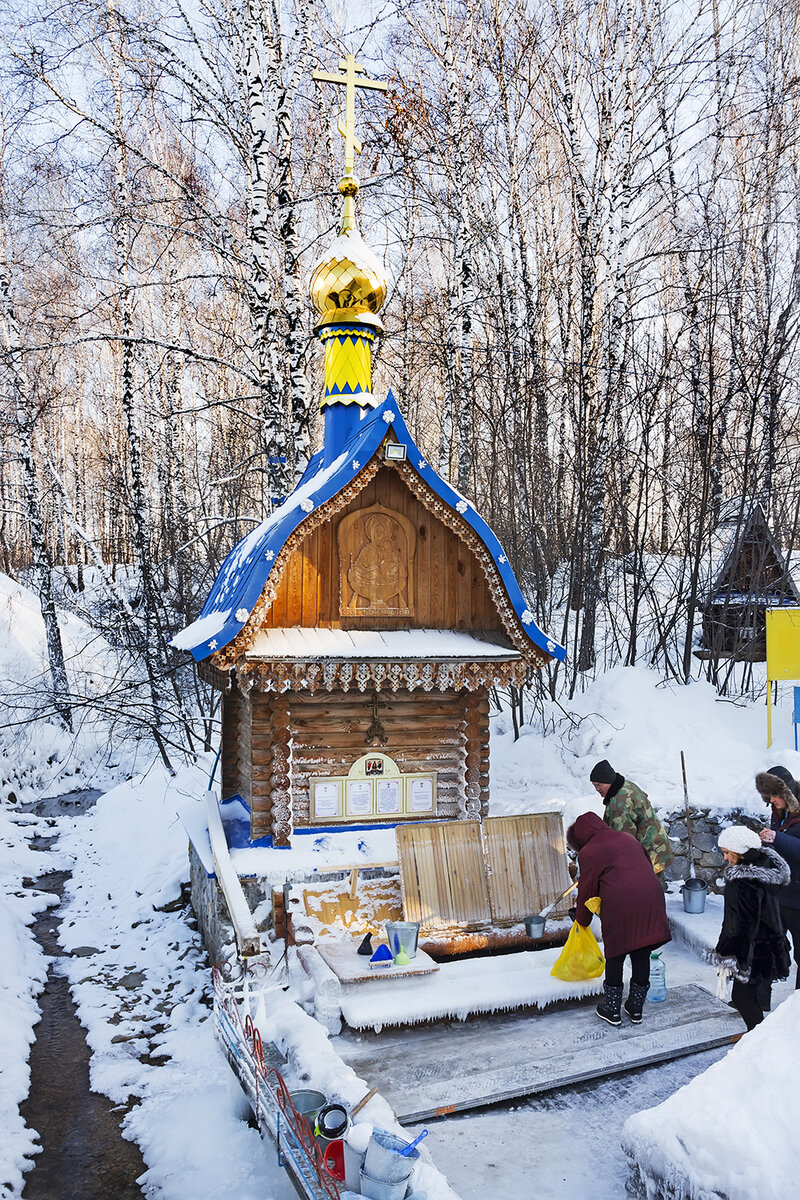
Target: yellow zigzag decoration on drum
348, 363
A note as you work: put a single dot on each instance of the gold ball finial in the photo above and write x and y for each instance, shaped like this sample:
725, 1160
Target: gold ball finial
348, 283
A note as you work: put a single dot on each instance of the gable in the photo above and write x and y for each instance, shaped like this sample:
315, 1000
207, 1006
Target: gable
440, 582
754, 566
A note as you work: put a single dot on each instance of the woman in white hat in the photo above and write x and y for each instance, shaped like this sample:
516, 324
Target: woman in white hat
752, 944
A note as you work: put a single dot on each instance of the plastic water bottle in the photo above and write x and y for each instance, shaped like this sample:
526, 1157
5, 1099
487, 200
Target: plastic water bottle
658, 978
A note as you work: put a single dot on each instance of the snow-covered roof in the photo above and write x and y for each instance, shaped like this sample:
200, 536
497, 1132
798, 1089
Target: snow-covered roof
401, 644
242, 576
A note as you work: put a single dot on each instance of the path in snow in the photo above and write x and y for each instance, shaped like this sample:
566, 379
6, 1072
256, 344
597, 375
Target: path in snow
83, 1152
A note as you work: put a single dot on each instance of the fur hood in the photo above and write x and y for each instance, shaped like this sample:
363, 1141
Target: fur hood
768, 785
760, 866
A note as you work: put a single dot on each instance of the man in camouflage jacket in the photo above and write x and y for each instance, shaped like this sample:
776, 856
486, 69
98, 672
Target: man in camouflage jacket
629, 810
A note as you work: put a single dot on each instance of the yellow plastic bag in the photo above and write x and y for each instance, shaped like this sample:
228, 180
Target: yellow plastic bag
581, 957
593, 904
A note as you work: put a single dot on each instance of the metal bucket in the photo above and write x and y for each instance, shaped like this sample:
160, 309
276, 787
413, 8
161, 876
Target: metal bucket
381, 1189
384, 1162
308, 1103
402, 935
694, 895
534, 926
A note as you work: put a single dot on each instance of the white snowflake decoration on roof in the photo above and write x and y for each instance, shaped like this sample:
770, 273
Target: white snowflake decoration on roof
307, 504
527, 617
356, 464
389, 416
242, 614
269, 555
551, 645
212, 645
422, 464
502, 559
462, 506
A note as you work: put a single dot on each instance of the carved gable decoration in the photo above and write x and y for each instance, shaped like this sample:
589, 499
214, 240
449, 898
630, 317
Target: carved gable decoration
376, 563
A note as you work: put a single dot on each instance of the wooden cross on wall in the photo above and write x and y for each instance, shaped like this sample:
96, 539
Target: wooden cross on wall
352, 145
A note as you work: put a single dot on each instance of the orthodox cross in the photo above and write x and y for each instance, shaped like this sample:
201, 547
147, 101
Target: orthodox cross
352, 146
376, 731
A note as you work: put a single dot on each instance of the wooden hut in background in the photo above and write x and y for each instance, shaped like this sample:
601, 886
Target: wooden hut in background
753, 576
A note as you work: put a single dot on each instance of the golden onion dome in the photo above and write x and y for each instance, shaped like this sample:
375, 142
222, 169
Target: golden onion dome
348, 282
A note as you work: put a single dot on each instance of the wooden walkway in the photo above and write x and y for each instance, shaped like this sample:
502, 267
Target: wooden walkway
427, 1071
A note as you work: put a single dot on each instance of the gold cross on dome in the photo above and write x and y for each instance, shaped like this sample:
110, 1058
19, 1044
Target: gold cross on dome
352, 146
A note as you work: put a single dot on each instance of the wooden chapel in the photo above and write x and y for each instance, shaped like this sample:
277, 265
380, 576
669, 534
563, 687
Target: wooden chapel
356, 632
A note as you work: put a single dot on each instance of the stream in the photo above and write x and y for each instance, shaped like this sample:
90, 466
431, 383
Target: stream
83, 1151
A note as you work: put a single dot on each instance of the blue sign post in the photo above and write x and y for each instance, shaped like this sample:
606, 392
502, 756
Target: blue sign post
796, 715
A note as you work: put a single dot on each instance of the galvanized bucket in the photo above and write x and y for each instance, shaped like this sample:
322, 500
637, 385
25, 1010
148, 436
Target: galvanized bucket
694, 895
534, 926
402, 935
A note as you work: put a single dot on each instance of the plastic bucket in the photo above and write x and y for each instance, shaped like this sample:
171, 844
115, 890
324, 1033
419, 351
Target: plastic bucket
308, 1103
381, 1189
694, 895
385, 1163
402, 935
534, 926
332, 1122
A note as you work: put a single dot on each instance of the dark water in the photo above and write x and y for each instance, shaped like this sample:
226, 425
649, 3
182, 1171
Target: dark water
84, 1155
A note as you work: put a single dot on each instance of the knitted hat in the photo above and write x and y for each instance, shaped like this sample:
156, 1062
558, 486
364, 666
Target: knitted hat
777, 781
739, 839
602, 772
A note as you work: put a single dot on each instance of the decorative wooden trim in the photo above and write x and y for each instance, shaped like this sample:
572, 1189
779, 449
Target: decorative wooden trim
281, 778
535, 657
344, 675
476, 788
230, 654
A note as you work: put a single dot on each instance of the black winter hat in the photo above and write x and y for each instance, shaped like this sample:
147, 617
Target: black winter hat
602, 772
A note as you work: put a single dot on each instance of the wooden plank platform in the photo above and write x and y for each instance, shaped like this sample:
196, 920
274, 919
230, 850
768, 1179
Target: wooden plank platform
452, 1066
351, 967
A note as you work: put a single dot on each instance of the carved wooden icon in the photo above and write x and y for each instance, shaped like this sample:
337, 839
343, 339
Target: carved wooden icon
376, 563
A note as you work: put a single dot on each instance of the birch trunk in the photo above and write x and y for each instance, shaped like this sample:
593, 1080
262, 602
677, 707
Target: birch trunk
24, 411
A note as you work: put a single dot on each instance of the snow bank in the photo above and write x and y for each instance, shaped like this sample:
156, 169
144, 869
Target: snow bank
641, 724
143, 995
38, 757
730, 1133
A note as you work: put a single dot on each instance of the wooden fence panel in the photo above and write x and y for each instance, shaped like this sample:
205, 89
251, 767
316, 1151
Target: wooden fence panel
526, 864
443, 875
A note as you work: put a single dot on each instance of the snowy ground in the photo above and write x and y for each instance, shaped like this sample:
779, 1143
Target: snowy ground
141, 984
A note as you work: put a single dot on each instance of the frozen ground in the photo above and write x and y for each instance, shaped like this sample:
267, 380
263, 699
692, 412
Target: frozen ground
141, 983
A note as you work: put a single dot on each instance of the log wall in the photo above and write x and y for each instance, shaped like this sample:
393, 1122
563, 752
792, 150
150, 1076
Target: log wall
235, 758
296, 738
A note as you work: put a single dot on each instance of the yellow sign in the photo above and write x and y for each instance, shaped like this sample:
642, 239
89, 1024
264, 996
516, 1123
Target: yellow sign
783, 652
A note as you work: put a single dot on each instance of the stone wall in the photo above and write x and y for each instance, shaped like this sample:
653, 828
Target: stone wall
211, 909
706, 828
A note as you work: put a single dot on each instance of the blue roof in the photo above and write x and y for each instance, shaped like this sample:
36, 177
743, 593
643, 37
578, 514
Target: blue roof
242, 576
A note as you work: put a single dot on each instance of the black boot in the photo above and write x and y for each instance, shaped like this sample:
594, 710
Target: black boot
609, 1006
635, 1001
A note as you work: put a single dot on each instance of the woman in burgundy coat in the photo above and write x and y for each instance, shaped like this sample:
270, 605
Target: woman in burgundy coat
633, 916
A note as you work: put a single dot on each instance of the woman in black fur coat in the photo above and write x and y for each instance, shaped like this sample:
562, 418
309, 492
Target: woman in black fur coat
752, 944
